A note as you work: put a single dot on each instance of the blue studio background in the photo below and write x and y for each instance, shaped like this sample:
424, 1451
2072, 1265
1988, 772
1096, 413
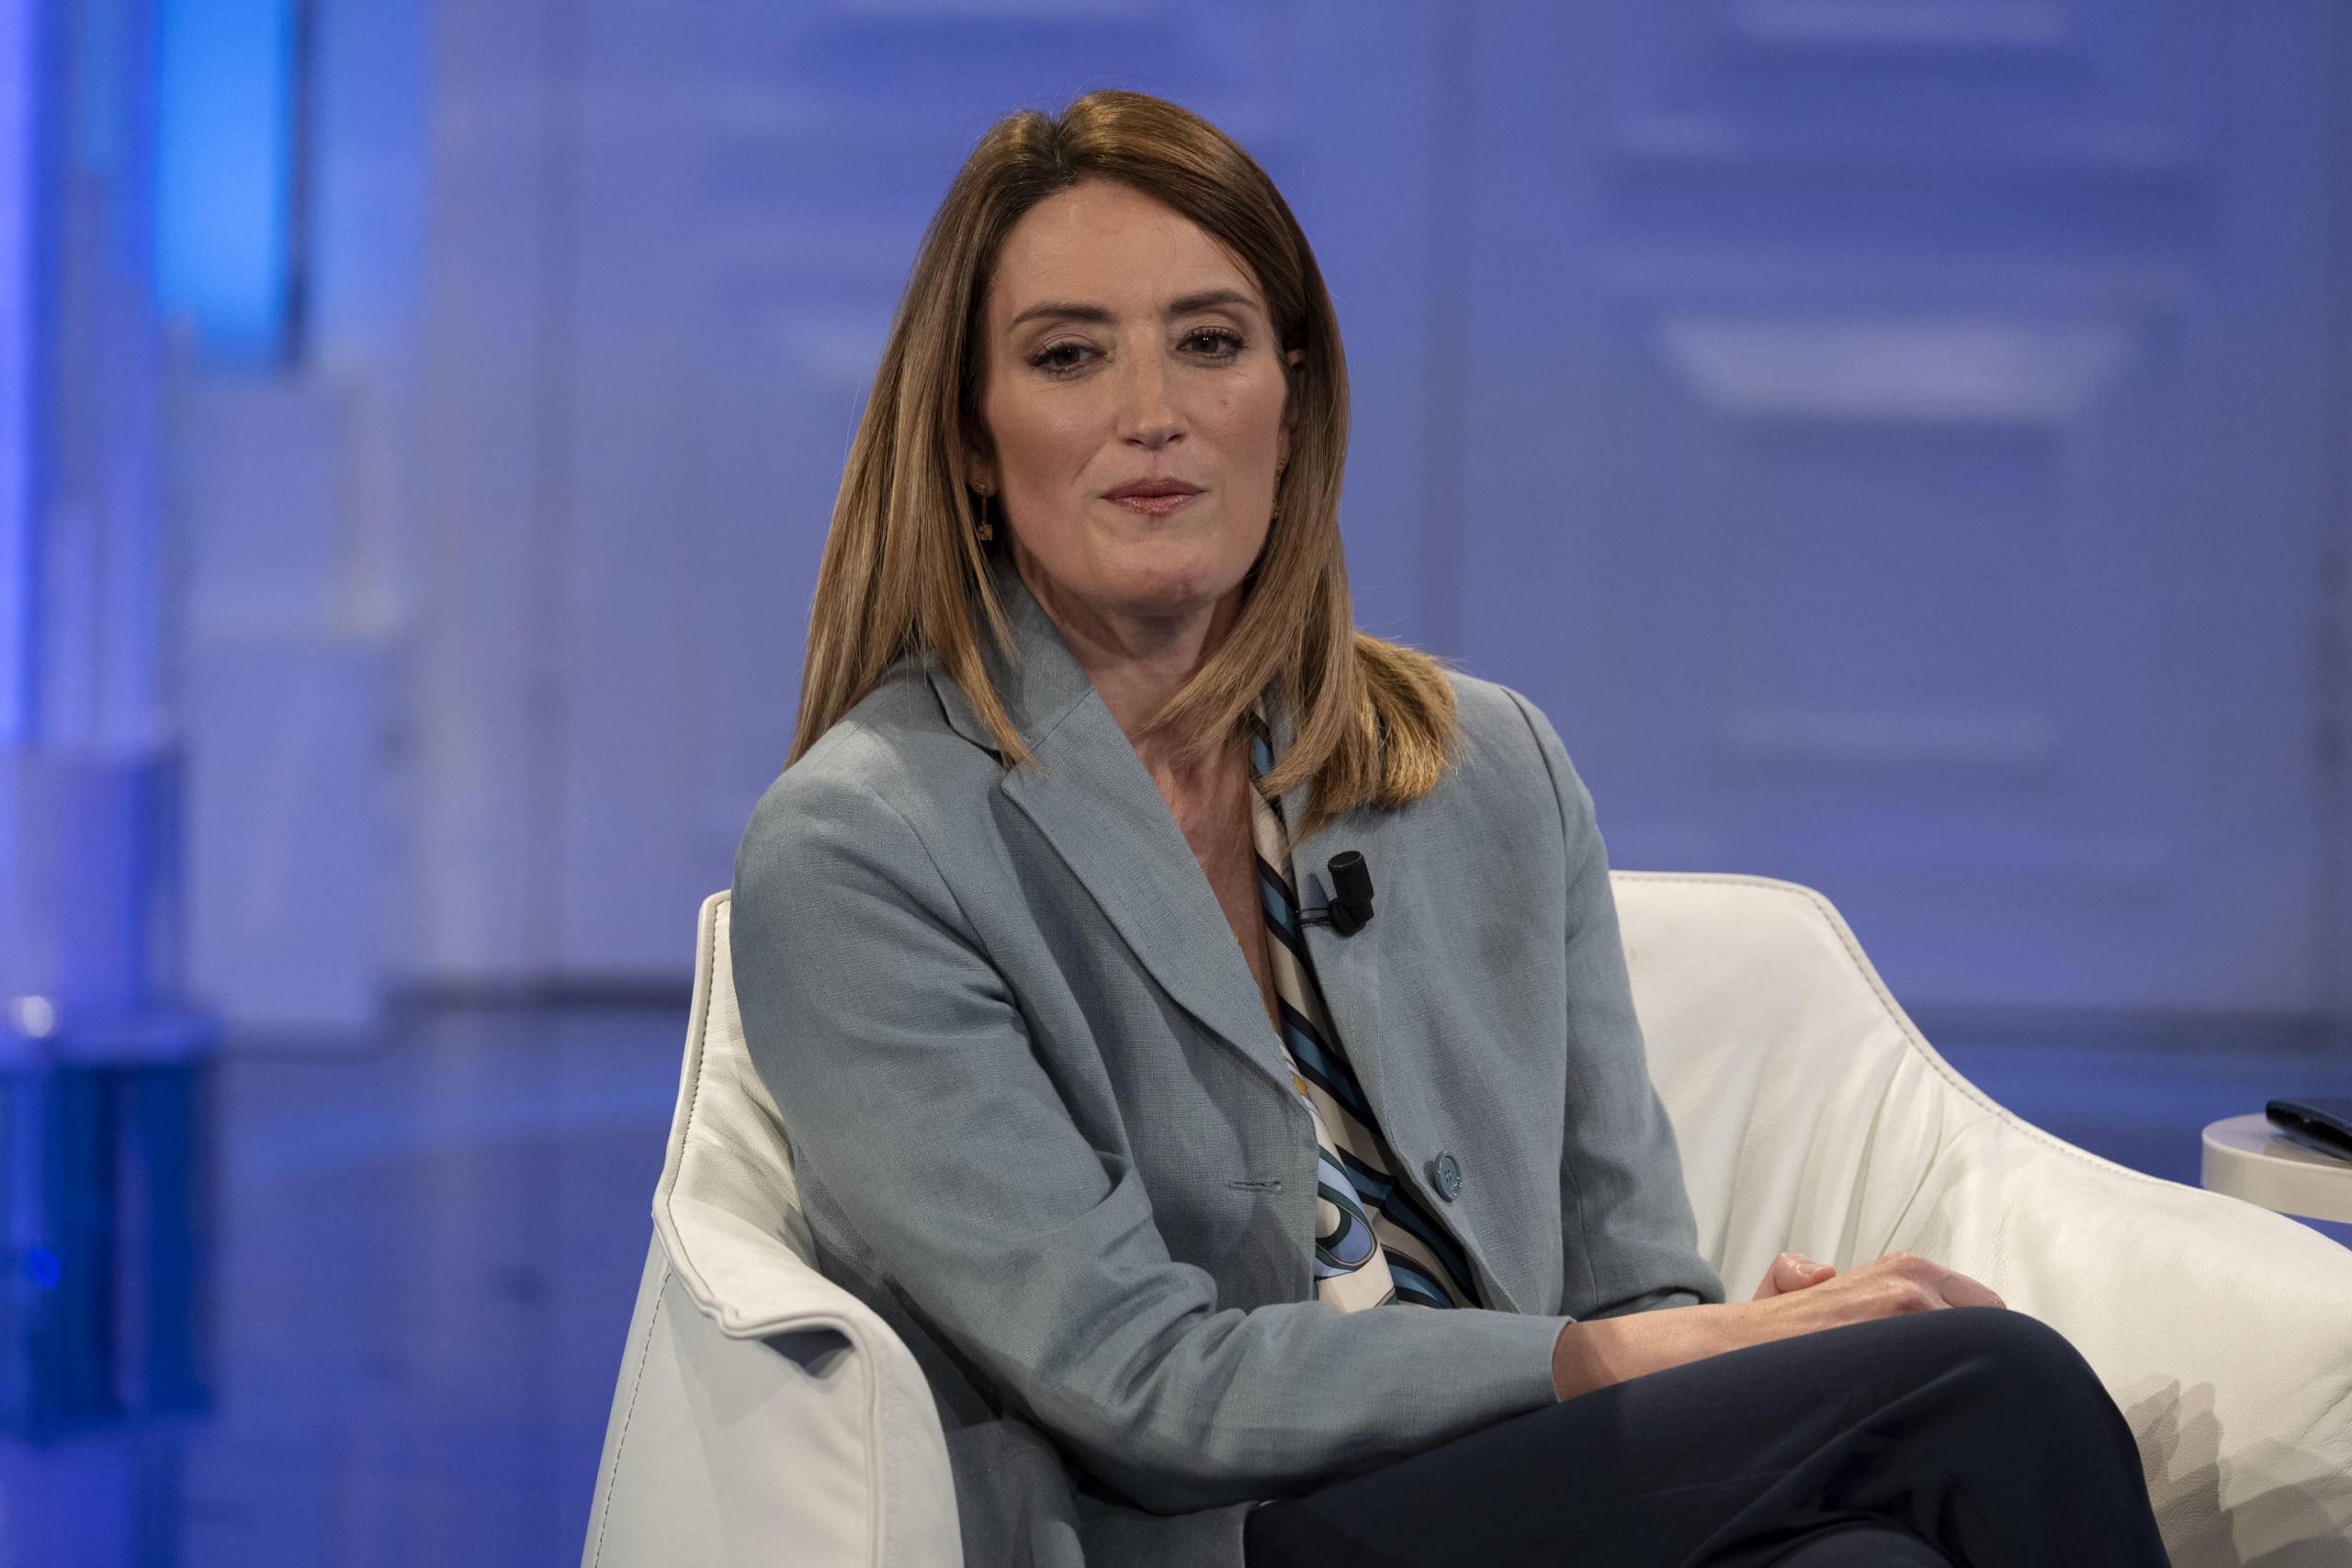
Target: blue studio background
1903, 446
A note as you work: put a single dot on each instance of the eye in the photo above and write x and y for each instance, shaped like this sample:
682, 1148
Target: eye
1223, 345
1044, 359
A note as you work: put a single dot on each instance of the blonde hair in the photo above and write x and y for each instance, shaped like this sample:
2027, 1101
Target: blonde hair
903, 571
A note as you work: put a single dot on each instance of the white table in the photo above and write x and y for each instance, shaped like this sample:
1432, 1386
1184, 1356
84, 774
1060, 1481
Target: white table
2246, 1159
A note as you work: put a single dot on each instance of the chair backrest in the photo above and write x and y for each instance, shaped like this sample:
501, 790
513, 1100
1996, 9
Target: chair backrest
1807, 1107
728, 1150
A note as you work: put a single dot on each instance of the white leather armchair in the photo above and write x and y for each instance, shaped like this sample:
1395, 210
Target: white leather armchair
764, 1416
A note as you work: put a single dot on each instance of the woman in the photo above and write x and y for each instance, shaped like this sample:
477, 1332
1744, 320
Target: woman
1233, 1215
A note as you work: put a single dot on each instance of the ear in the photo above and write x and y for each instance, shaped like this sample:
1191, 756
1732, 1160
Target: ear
979, 472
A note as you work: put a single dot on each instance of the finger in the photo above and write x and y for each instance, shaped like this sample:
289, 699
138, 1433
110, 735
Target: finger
1809, 1272
1792, 1271
1962, 1292
1779, 1277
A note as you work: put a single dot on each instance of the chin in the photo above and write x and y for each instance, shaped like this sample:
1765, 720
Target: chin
1173, 588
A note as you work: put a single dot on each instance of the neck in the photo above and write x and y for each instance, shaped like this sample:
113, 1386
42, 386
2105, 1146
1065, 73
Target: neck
1137, 662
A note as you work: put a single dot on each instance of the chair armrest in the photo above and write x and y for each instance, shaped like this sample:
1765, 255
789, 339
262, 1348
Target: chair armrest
2223, 1331
1813, 1115
753, 1283
764, 1417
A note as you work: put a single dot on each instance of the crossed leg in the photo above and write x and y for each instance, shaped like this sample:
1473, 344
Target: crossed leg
1976, 1436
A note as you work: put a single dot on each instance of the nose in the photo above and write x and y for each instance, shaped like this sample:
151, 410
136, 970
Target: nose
1149, 419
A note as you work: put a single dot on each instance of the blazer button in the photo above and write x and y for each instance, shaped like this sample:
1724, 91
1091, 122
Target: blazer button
1445, 1175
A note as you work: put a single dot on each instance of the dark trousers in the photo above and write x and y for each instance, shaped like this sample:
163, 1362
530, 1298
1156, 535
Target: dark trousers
1976, 1436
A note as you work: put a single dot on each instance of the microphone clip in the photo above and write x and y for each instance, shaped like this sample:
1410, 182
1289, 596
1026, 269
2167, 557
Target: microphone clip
1349, 909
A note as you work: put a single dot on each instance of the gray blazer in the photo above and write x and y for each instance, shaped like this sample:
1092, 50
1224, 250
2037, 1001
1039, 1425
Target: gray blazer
1043, 1126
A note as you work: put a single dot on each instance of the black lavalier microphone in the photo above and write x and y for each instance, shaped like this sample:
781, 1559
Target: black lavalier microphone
1350, 907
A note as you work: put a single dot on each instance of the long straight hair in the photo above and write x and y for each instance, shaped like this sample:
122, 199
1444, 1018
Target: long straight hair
904, 570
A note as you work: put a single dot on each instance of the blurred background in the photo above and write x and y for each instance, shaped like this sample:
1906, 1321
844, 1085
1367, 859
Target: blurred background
1903, 445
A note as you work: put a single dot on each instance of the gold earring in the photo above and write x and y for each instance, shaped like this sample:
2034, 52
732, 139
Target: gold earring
986, 530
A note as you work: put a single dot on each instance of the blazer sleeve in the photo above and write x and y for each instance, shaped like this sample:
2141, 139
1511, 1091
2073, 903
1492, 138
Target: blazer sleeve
902, 1068
1630, 1242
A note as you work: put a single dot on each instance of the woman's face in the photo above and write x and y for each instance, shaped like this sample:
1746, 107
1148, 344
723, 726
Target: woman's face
1124, 343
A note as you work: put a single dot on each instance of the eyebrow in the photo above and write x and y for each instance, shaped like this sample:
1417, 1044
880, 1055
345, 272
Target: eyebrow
1069, 310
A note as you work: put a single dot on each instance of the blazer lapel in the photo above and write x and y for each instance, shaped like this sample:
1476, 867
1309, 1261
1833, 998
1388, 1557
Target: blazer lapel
1096, 804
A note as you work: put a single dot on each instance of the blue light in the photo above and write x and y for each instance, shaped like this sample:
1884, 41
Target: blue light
224, 96
42, 1268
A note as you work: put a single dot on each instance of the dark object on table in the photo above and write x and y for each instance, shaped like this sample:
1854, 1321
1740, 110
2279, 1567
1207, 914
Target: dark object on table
2324, 1125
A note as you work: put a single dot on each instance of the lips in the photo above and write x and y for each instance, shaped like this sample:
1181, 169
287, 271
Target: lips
1151, 505
1142, 489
